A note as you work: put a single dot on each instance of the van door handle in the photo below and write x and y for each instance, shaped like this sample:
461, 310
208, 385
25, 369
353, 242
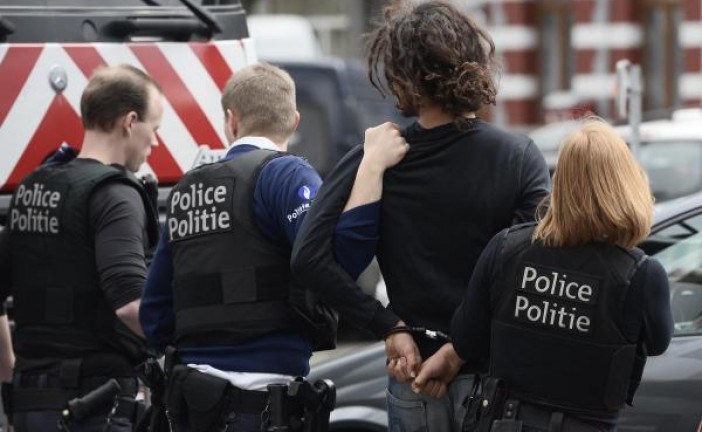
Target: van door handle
166, 27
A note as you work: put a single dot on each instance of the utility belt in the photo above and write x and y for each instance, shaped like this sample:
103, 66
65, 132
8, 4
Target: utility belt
198, 402
44, 392
490, 409
511, 416
63, 389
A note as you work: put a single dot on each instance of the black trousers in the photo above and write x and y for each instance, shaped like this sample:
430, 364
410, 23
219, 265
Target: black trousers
537, 419
26, 419
35, 421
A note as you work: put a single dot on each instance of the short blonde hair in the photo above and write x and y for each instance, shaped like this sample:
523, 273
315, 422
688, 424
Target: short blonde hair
264, 97
600, 192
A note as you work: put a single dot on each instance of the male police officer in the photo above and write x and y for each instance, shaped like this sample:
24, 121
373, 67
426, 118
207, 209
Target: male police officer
74, 251
219, 287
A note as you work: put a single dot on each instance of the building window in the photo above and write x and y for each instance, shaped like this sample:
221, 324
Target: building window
555, 50
662, 53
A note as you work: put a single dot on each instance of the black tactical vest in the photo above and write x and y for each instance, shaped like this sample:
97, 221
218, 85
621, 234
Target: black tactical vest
230, 283
59, 309
556, 336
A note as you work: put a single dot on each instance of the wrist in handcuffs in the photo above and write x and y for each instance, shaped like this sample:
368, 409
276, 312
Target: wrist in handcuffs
397, 329
418, 331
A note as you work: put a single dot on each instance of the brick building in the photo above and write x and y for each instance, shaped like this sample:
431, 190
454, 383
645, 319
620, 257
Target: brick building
554, 53
556, 47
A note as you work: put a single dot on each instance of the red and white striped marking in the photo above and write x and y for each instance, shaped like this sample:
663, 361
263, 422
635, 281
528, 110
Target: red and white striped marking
35, 120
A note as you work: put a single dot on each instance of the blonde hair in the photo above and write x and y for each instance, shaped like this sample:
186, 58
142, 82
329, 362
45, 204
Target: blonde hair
600, 193
264, 97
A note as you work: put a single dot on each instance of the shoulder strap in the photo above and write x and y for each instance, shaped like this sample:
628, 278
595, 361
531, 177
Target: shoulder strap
248, 167
250, 164
640, 257
517, 238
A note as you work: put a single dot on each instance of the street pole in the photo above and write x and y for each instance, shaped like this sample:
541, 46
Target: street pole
629, 94
635, 94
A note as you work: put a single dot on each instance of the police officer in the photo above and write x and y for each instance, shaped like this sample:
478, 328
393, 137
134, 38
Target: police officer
219, 287
73, 259
567, 308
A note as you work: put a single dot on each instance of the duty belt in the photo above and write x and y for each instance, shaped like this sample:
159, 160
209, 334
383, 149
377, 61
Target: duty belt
43, 392
246, 401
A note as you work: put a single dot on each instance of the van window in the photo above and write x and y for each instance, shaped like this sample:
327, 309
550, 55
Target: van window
61, 21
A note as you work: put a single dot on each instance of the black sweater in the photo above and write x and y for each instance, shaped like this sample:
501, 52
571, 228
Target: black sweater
441, 204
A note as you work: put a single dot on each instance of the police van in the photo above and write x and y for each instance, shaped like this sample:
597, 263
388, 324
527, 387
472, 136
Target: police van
49, 49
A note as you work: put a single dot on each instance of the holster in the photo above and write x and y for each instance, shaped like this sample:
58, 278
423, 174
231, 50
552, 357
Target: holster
485, 405
636, 373
195, 401
154, 418
508, 422
317, 400
198, 402
127, 408
6, 393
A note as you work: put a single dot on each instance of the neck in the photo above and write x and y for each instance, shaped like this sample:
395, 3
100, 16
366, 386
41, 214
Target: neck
102, 147
431, 116
281, 143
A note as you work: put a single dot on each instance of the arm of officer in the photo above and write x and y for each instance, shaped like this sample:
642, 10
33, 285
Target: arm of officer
156, 310
7, 354
5, 265
129, 315
356, 234
651, 284
356, 238
535, 184
313, 257
283, 195
384, 147
118, 218
438, 371
470, 328
282, 199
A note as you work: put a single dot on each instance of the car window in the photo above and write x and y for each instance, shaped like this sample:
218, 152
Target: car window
682, 229
550, 137
683, 264
674, 168
672, 230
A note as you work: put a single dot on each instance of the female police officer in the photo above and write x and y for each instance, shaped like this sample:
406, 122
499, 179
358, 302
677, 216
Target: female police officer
568, 307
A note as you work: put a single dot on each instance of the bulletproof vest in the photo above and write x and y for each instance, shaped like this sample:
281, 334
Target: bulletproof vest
230, 283
59, 308
556, 331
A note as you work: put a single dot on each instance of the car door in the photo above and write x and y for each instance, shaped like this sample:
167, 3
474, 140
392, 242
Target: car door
671, 389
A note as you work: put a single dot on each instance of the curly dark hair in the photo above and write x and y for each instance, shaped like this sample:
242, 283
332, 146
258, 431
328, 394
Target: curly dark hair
434, 53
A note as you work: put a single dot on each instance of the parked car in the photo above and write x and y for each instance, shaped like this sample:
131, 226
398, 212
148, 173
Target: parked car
670, 152
549, 138
670, 395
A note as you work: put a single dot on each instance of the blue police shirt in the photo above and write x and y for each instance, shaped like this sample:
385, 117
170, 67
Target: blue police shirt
284, 190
